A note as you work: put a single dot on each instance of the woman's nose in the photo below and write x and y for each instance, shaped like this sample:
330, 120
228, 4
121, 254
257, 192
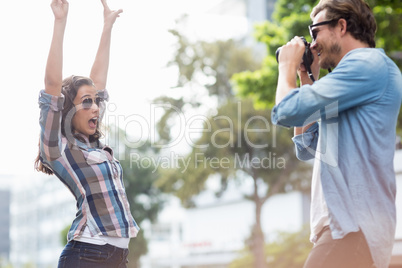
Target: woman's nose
95, 106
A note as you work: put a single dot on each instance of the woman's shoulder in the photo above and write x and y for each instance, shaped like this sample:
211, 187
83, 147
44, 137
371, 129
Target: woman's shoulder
56, 103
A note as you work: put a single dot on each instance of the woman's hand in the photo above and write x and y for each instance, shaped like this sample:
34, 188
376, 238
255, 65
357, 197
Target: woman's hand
110, 16
60, 9
100, 66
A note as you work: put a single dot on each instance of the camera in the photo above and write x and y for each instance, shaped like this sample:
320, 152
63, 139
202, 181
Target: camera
308, 57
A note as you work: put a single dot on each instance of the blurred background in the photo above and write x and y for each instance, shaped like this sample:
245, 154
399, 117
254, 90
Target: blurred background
211, 182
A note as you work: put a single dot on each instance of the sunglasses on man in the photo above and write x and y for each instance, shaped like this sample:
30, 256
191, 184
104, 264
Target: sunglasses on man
313, 33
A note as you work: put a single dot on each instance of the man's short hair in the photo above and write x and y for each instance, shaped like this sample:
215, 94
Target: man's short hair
359, 17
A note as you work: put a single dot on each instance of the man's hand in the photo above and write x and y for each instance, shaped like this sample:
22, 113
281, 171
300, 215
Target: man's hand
289, 59
315, 69
110, 16
60, 9
291, 54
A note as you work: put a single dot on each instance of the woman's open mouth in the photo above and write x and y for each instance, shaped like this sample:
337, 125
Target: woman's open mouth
92, 122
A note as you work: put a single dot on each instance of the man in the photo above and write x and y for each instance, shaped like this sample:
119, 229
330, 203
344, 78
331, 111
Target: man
346, 121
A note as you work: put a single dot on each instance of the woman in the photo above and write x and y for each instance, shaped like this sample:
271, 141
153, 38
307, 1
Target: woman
69, 147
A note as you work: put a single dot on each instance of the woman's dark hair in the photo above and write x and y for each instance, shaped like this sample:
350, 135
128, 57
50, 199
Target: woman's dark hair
70, 87
360, 19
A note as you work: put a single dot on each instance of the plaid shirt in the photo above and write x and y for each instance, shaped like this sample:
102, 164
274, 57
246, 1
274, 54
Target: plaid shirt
90, 172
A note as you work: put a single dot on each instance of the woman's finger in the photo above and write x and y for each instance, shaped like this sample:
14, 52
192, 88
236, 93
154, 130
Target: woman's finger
104, 3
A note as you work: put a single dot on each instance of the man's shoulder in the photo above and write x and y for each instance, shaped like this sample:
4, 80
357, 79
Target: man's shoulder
366, 54
366, 60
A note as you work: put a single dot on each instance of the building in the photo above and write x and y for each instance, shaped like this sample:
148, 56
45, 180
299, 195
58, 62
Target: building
212, 234
5, 196
396, 261
6, 181
229, 19
41, 207
207, 236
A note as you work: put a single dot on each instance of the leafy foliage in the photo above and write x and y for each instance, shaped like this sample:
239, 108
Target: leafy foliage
145, 199
63, 234
292, 18
289, 250
209, 64
238, 138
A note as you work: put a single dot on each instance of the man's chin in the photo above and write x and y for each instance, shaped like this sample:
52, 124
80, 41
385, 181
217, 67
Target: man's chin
325, 65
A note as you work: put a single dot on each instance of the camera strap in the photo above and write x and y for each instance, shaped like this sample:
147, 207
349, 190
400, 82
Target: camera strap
310, 73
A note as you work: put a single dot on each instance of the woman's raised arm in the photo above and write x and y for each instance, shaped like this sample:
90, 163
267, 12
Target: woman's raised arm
54, 65
101, 64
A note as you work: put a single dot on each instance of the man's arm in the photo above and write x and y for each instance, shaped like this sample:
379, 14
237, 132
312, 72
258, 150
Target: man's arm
100, 66
289, 59
290, 63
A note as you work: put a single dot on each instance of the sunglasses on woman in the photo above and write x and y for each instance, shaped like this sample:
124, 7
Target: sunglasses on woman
87, 102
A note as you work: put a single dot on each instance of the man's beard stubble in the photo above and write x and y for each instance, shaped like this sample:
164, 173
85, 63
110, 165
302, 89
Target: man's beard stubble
329, 60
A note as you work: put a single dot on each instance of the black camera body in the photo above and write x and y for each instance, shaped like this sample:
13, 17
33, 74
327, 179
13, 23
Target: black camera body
308, 57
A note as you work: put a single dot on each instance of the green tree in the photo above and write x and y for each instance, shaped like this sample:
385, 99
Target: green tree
5, 264
291, 18
144, 197
209, 65
230, 142
240, 142
288, 250
201, 66
63, 234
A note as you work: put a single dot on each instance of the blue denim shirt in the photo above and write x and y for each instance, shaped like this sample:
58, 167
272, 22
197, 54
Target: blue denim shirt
357, 106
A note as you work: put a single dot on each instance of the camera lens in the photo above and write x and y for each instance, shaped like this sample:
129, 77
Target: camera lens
277, 54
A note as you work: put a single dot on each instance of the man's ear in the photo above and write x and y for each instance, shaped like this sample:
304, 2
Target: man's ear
343, 24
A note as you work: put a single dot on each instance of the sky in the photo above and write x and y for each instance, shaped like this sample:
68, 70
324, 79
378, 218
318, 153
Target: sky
141, 48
